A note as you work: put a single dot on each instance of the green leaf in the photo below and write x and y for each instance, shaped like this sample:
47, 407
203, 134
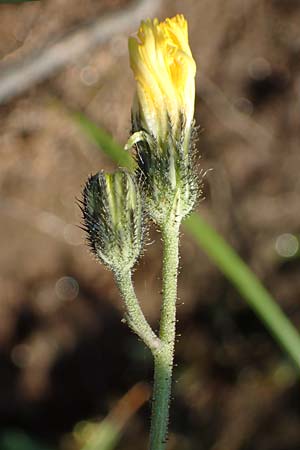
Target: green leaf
104, 141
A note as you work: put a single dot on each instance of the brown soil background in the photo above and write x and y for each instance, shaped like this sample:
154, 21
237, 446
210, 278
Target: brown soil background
65, 356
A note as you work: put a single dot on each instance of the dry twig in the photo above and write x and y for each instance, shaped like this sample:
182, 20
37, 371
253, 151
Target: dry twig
38, 66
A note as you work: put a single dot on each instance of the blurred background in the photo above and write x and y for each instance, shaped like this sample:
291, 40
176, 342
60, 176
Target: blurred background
65, 356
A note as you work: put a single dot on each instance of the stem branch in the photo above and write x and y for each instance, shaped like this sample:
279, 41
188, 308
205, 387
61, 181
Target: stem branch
134, 314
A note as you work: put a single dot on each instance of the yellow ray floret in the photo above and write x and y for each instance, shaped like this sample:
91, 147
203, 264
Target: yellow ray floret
164, 69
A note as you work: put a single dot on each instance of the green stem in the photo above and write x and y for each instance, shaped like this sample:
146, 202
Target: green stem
134, 314
163, 358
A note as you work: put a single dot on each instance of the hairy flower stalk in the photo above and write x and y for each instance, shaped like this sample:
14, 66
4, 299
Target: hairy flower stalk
163, 188
163, 134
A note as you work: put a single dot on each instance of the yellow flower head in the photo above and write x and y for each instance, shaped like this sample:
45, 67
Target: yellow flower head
164, 69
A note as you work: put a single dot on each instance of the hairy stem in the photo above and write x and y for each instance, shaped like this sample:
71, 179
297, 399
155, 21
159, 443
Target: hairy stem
134, 314
163, 357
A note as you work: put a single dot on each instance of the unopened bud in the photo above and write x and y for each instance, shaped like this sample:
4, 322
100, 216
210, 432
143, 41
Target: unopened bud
163, 130
113, 219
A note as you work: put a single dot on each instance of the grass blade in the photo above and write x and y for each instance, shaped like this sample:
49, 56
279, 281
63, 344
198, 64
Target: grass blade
104, 141
245, 281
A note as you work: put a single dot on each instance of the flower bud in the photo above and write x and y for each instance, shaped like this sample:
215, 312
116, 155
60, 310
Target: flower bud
113, 219
163, 130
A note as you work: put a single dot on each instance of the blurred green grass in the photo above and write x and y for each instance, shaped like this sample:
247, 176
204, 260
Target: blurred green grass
18, 440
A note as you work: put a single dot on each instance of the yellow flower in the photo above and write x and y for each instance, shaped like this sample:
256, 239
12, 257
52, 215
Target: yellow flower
164, 70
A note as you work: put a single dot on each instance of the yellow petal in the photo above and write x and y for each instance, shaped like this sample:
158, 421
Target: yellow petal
164, 69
